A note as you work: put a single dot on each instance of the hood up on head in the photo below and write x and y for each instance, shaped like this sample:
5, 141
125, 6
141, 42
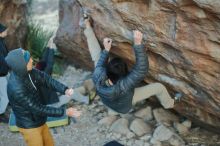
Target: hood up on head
16, 62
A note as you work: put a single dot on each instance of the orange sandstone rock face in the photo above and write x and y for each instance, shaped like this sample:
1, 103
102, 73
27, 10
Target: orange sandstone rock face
13, 15
182, 38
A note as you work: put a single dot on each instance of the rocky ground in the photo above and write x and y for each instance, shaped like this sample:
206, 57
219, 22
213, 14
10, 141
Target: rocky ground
147, 125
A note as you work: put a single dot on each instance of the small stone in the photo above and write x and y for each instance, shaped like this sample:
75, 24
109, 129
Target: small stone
152, 45
130, 135
108, 136
123, 142
181, 128
187, 124
123, 138
158, 143
117, 136
120, 126
108, 120
155, 142
145, 113
162, 133
165, 117
97, 110
139, 142
129, 117
89, 85
130, 143
146, 144
139, 127
146, 137
81, 90
175, 140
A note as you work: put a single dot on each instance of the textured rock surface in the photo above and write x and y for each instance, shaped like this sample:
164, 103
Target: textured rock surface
12, 14
183, 44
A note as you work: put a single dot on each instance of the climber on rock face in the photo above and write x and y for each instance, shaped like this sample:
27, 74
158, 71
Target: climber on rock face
114, 83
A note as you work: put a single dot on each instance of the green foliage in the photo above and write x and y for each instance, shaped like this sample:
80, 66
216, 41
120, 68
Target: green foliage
59, 67
37, 39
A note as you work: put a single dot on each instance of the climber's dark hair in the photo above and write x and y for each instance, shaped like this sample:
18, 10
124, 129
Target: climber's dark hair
116, 69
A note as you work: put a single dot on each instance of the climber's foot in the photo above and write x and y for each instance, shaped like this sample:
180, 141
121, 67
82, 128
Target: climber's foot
92, 95
178, 97
85, 21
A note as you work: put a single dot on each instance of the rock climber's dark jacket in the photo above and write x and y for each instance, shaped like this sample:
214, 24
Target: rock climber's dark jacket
24, 95
3, 53
119, 96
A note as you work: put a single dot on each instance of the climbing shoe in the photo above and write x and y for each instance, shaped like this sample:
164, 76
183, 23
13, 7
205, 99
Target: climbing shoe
178, 97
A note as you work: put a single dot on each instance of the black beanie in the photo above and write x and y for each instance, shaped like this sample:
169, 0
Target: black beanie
2, 28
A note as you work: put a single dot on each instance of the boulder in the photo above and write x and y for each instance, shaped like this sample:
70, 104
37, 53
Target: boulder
13, 15
181, 38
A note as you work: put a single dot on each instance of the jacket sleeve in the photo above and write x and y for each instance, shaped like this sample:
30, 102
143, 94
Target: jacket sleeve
45, 55
139, 70
49, 61
100, 70
36, 107
3, 66
47, 80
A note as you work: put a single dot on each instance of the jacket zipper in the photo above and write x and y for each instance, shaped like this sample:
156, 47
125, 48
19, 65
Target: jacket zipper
32, 82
